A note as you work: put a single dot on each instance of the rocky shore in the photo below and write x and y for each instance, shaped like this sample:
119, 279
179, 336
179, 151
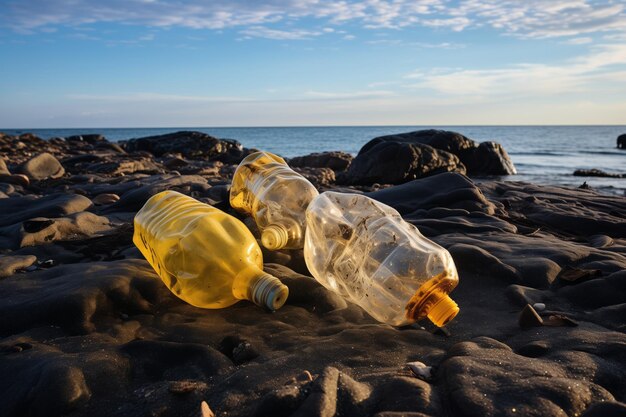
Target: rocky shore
87, 328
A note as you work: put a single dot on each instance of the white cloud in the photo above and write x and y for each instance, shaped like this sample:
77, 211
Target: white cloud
545, 18
578, 41
530, 79
528, 18
264, 32
349, 96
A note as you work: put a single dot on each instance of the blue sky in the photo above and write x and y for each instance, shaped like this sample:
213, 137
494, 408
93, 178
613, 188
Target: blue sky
131, 63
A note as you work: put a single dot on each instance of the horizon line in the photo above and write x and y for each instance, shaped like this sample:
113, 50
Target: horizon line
2, 129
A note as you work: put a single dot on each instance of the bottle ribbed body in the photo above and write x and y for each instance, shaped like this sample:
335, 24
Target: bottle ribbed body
275, 196
203, 255
364, 251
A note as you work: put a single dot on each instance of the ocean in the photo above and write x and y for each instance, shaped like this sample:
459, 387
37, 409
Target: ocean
541, 154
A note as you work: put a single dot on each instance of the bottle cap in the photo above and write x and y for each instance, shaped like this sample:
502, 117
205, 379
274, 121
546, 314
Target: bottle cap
444, 310
267, 291
274, 237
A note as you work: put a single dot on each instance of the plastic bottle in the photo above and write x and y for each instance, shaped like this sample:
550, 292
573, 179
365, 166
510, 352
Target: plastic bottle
203, 255
275, 196
364, 251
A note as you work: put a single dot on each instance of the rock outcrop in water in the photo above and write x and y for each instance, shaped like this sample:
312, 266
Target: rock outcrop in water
192, 144
596, 173
395, 159
621, 141
88, 329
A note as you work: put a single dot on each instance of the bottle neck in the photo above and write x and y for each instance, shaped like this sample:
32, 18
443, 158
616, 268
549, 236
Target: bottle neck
261, 288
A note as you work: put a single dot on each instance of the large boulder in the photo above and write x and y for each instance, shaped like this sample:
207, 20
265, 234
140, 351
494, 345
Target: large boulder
335, 160
487, 158
397, 162
42, 166
621, 141
190, 144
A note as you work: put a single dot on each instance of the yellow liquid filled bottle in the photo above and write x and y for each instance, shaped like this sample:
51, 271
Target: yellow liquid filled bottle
203, 255
275, 196
364, 251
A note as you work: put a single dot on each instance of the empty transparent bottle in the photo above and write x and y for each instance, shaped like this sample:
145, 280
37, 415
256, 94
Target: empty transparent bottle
203, 255
275, 196
364, 251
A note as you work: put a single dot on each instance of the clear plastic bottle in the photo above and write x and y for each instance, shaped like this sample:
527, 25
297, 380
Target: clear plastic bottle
364, 251
203, 255
275, 196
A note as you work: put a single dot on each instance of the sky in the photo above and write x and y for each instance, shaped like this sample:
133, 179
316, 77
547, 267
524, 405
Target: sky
174, 63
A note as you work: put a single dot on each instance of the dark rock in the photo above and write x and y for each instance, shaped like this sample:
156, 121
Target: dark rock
606, 409
488, 158
449, 190
42, 166
46, 386
89, 138
596, 173
63, 296
18, 209
517, 385
621, 141
395, 162
337, 161
194, 145
125, 167
134, 199
157, 360
317, 176
17, 179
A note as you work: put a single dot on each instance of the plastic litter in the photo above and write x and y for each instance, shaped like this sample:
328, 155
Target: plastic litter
275, 196
364, 251
203, 255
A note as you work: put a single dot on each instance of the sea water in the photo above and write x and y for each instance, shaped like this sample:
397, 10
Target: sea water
541, 154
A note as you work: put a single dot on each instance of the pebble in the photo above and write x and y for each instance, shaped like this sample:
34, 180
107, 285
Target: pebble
421, 370
103, 199
17, 179
539, 306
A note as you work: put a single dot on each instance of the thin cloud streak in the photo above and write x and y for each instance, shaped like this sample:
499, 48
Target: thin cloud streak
527, 19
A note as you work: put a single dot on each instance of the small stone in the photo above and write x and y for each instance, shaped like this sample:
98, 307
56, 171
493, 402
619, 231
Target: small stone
42, 166
529, 318
17, 179
421, 370
539, 306
104, 199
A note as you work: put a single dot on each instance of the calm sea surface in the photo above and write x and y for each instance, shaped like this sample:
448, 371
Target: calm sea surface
542, 154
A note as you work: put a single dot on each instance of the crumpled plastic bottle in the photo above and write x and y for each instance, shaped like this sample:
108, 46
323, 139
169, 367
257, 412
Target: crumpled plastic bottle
275, 196
203, 255
364, 251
